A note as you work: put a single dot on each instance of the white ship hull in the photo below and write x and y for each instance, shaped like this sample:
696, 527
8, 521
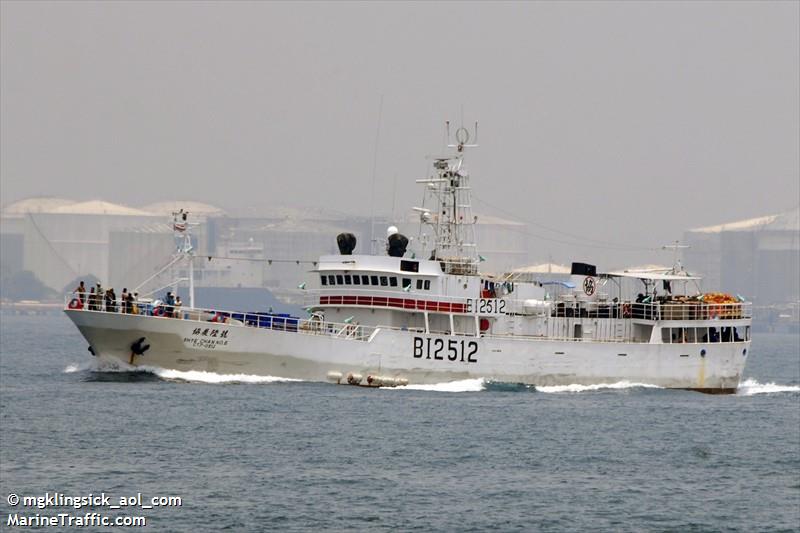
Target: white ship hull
420, 358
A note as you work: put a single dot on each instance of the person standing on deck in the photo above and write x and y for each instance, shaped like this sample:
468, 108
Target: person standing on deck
90, 301
99, 297
80, 290
169, 302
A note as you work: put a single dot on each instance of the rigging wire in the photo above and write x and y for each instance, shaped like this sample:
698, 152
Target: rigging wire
51, 246
264, 260
582, 240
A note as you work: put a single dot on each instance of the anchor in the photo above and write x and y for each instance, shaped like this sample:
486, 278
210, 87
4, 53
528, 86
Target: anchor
137, 348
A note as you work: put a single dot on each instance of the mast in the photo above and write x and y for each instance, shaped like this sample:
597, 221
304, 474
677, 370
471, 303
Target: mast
183, 237
677, 267
447, 209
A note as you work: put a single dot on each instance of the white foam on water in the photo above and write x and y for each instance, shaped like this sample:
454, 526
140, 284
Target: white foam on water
199, 376
72, 368
196, 376
98, 365
751, 386
464, 385
599, 386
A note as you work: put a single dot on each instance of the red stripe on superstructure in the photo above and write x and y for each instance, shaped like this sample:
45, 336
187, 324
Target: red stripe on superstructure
397, 303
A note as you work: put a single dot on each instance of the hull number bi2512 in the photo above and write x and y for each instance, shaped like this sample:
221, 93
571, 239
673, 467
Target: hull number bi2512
486, 306
451, 349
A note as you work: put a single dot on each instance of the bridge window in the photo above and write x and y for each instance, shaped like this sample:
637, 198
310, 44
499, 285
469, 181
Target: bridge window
373, 280
384, 281
406, 283
324, 280
356, 280
348, 280
409, 266
339, 279
419, 284
331, 280
365, 280
393, 281
427, 284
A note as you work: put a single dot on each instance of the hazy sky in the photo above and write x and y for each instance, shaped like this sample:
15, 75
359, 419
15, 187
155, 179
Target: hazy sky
623, 122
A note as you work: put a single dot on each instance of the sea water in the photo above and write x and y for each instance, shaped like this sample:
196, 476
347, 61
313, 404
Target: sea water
253, 453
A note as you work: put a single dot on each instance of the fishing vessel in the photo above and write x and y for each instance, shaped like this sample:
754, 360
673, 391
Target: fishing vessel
427, 314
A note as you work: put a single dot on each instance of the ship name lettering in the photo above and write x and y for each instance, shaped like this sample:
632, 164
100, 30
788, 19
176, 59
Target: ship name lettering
452, 350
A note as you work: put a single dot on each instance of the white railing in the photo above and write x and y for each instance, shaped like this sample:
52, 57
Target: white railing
421, 300
667, 310
277, 322
622, 313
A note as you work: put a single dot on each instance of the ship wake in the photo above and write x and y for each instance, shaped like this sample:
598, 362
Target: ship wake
750, 387
619, 385
481, 384
103, 367
464, 385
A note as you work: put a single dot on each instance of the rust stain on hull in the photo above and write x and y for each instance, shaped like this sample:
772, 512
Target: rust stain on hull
705, 390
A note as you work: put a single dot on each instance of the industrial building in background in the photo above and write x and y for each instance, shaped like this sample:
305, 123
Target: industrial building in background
758, 258
56, 241
247, 256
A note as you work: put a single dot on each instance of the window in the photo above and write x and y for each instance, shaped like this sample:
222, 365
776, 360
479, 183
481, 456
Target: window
331, 280
356, 280
427, 284
409, 266
365, 280
406, 283
393, 281
324, 280
384, 281
419, 284
374, 280
339, 279
347, 279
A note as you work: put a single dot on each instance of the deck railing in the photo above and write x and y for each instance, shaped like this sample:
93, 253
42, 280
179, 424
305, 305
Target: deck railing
667, 310
623, 313
420, 300
272, 321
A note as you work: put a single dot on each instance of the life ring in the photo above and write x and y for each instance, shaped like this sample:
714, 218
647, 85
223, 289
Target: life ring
626, 310
75, 304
